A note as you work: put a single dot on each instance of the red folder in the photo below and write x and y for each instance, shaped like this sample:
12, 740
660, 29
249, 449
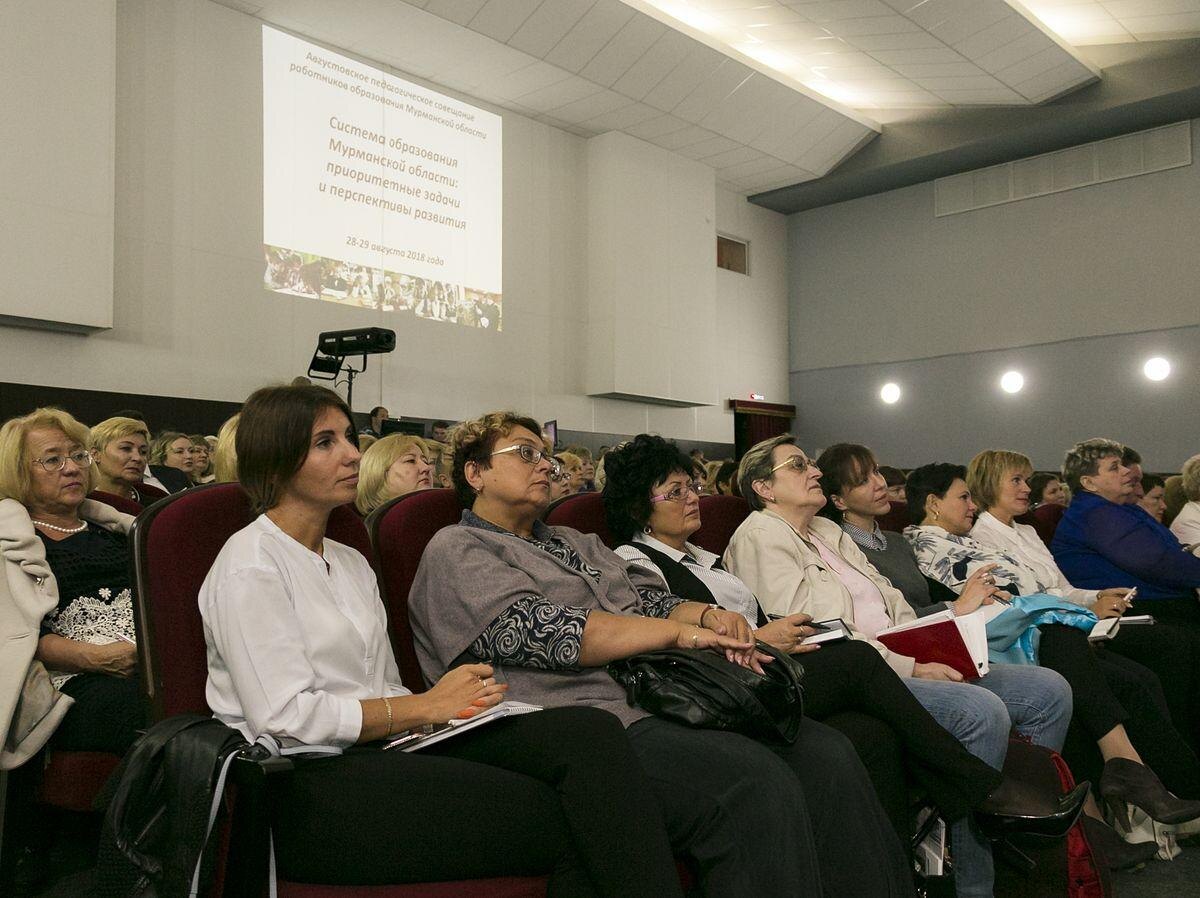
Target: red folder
936, 641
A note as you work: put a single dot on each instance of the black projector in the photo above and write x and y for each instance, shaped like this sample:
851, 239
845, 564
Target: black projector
361, 341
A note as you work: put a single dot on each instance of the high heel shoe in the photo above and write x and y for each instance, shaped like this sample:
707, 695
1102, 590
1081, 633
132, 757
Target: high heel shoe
1115, 852
1124, 781
1012, 807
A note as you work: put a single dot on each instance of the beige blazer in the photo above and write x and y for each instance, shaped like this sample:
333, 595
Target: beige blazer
788, 575
30, 707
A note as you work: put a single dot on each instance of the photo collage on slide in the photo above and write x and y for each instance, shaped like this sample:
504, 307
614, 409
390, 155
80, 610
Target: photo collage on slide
333, 280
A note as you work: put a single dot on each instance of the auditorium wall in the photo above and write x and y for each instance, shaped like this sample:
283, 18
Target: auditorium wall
191, 318
1074, 289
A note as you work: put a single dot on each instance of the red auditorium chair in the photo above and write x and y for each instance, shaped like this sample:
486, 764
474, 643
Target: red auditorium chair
583, 512
399, 530
120, 503
150, 493
896, 519
719, 517
1044, 519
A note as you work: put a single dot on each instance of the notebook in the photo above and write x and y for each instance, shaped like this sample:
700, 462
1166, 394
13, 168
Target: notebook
431, 734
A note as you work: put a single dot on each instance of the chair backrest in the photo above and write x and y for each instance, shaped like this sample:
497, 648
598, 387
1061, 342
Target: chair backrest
719, 517
1044, 519
583, 512
175, 542
400, 529
120, 503
896, 519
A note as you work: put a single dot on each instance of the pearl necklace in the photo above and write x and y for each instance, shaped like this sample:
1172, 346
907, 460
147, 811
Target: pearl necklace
82, 526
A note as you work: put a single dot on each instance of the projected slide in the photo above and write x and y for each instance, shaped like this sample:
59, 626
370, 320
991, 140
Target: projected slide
377, 193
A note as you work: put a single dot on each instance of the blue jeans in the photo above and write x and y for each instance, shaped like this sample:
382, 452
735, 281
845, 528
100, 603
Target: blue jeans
1034, 700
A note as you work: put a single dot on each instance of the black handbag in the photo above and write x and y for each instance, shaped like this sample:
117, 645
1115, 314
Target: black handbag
703, 689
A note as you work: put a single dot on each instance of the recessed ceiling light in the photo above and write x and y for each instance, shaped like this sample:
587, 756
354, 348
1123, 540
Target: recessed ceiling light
1012, 381
1157, 368
890, 393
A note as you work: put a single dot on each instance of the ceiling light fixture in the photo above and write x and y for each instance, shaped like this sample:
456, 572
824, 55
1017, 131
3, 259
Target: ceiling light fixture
1012, 382
1157, 368
890, 393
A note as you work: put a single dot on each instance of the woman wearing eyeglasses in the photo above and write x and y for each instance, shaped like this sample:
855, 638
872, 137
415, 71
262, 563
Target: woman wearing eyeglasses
797, 562
392, 466
67, 562
549, 607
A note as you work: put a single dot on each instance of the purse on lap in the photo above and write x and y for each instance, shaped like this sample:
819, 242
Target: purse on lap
700, 688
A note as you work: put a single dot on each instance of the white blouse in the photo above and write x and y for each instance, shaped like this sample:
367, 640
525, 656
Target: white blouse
728, 591
294, 639
1186, 525
1023, 543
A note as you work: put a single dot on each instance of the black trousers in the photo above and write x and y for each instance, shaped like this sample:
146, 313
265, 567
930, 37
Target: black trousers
559, 791
1109, 690
852, 676
773, 820
1172, 652
106, 716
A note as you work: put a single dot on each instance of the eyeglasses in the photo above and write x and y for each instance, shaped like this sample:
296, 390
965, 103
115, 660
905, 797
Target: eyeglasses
797, 461
532, 456
53, 463
679, 492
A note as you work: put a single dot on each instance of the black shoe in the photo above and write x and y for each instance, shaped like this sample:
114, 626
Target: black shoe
1013, 807
1124, 781
1113, 851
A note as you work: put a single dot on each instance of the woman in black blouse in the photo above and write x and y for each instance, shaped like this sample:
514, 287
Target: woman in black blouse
87, 637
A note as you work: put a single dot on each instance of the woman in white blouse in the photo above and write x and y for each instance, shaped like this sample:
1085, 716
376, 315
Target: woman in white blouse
298, 649
1186, 524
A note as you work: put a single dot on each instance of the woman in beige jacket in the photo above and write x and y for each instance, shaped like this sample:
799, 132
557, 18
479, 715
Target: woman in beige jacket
795, 562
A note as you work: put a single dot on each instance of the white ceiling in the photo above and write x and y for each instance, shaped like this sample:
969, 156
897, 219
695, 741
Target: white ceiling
769, 93
1083, 22
891, 54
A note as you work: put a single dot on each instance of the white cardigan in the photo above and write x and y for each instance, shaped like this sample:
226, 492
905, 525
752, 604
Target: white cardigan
1186, 525
30, 707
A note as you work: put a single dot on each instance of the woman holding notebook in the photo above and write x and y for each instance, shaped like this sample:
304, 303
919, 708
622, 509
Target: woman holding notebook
1115, 698
298, 649
796, 562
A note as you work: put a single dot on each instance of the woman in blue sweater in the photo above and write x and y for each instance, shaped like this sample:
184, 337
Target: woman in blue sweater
1103, 541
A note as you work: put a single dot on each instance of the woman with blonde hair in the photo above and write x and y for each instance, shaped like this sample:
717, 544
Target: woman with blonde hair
1186, 523
572, 466
67, 562
172, 460
392, 466
120, 448
224, 454
201, 459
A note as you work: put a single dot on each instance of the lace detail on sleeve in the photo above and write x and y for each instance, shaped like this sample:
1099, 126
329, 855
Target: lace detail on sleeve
532, 632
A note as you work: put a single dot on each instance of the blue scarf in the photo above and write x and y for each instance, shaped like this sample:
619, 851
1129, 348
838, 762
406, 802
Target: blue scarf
1013, 635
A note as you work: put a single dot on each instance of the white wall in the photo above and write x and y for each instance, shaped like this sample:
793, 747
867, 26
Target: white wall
57, 96
1075, 289
191, 318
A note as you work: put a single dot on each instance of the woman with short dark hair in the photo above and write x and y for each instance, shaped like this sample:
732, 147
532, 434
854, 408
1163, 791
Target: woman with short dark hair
298, 649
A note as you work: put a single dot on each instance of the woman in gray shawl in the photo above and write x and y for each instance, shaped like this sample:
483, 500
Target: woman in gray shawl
549, 607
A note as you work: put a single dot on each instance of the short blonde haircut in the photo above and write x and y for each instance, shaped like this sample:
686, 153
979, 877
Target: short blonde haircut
16, 464
366, 441
1191, 478
376, 461
224, 454
570, 461
1083, 460
987, 471
114, 429
474, 440
756, 465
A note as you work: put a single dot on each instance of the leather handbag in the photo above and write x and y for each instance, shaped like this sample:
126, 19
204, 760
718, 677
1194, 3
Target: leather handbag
702, 689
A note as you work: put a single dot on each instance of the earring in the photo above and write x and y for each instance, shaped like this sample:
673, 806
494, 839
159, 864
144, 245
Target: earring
646, 530
935, 514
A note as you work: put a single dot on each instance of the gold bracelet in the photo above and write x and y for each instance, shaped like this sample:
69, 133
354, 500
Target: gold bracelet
388, 705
